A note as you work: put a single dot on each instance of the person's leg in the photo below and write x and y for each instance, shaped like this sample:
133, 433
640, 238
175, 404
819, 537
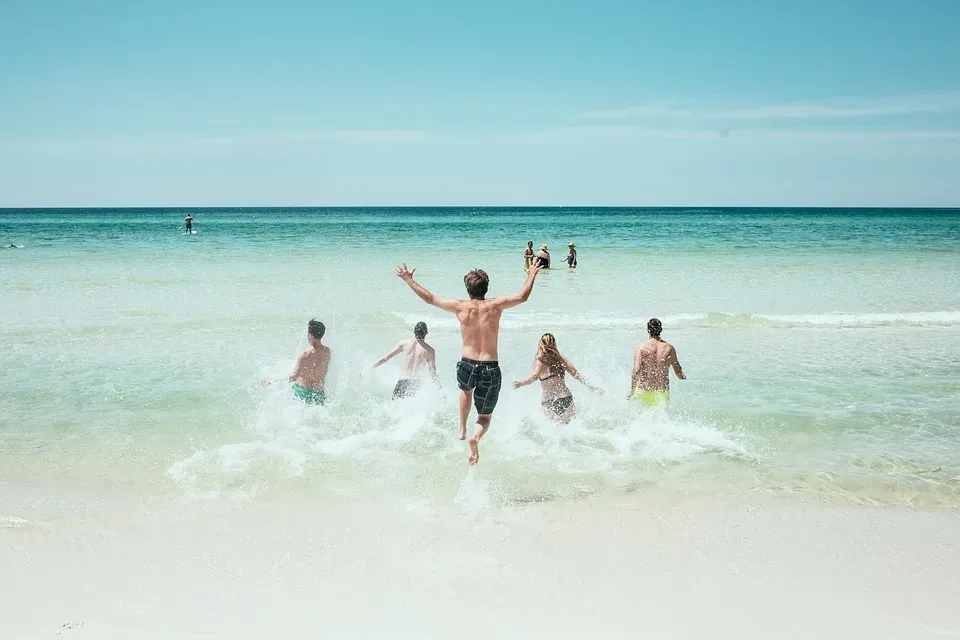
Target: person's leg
485, 398
466, 397
548, 411
483, 423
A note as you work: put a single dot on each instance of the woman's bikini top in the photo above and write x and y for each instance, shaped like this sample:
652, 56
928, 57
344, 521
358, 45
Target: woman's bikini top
552, 375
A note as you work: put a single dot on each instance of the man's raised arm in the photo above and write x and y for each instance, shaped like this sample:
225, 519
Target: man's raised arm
406, 275
511, 301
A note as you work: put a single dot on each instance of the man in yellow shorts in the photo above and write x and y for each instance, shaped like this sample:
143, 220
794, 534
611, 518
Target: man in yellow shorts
650, 383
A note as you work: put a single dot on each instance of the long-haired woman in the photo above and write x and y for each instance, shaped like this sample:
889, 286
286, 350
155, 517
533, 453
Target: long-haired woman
550, 368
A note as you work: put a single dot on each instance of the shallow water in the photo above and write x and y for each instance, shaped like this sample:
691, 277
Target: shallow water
822, 349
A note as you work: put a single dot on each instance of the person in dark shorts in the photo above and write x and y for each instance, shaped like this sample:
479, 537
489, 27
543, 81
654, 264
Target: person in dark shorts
478, 372
571, 258
189, 222
549, 368
483, 379
416, 354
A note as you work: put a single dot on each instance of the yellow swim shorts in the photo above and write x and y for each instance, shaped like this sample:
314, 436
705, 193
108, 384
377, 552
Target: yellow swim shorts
651, 398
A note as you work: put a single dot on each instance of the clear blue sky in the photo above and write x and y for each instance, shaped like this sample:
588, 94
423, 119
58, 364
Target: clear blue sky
697, 102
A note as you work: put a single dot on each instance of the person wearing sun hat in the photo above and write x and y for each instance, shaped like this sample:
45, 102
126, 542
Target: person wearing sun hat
571, 258
543, 257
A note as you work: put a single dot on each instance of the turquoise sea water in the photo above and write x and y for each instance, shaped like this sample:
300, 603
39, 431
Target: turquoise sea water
822, 348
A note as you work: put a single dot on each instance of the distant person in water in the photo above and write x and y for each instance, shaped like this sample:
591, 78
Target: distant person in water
543, 257
310, 372
571, 258
478, 372
650, 383
189, 222
416, 355
549, 368
528, 256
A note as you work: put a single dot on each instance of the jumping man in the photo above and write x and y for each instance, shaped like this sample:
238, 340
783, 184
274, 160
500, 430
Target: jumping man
478, 372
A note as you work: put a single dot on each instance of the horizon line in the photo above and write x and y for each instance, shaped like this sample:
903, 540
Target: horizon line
484, 206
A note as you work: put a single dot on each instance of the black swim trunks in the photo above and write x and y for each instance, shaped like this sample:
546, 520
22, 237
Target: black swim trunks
558, 405
405, 388
484, 379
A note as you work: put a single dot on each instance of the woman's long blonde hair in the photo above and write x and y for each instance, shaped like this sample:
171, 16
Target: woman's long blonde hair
549, 355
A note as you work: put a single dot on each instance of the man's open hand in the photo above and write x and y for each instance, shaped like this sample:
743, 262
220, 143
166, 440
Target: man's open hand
405, 274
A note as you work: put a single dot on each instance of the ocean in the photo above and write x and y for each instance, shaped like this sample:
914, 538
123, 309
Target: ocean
822, 349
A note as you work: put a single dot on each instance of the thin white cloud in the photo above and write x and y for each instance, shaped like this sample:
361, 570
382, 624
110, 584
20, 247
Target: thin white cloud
600, 133
568, 136
137, 144
834, 108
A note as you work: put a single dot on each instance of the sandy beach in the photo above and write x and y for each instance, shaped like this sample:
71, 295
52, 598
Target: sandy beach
621, 566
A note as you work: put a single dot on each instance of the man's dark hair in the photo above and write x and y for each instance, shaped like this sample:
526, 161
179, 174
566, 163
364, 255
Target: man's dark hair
654, 327
477, 282
316, 329
420, 331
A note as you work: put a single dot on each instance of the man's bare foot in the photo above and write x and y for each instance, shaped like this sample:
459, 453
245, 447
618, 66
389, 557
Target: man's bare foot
474, 452
463, 433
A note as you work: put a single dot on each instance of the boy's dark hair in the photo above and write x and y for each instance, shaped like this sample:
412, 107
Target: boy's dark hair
477, 282
316, 329
420, 331
654, 327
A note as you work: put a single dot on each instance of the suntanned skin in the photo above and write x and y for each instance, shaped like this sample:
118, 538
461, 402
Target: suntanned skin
416, 355
651, 366
479, 333
528, 255
555, 387
312, 364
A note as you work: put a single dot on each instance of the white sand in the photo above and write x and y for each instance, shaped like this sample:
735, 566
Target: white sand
617, 567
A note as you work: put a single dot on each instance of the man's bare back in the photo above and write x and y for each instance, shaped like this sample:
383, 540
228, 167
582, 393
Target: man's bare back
416, 356
652, 361
310, 371
480, 328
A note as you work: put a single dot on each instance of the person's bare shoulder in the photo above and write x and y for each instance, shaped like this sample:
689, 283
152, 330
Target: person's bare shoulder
496, 303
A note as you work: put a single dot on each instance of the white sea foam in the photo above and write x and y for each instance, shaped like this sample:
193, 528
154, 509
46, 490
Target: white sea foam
362, 441
521, 321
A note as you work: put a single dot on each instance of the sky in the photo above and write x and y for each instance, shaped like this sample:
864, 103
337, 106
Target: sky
423, 102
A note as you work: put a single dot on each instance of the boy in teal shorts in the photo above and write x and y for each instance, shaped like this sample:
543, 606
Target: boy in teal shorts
310, 373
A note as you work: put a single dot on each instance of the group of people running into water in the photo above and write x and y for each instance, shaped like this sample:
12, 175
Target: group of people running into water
478, 371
